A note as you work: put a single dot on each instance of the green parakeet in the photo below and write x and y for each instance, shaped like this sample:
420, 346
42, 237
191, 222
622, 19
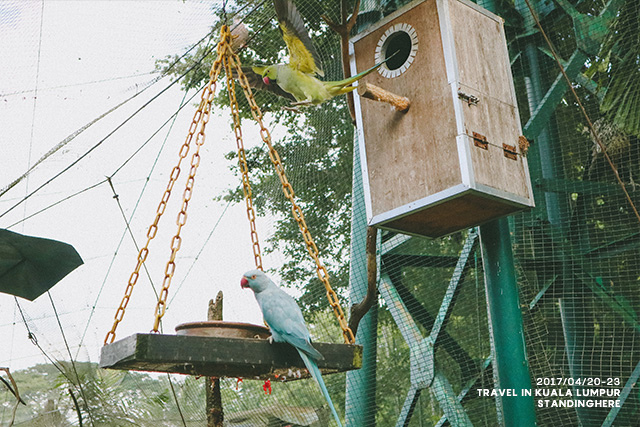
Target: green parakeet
297, 80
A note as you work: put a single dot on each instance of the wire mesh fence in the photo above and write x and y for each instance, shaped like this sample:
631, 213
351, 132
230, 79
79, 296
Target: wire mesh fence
576, 253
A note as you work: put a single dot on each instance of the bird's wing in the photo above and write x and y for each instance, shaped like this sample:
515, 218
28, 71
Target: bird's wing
254, 77
302, 54
283, 315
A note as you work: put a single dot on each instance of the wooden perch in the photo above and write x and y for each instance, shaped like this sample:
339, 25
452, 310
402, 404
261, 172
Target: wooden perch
367, 90
215, 413
358, 310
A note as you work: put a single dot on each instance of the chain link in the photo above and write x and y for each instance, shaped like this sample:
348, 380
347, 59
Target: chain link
287, 189
205, 99
227, 58
176, 241
242, 159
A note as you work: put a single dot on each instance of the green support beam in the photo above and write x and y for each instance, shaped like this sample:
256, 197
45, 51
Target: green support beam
360, 399
422, 366
624, 394
423, 371
547, 106
590, 32
511, 366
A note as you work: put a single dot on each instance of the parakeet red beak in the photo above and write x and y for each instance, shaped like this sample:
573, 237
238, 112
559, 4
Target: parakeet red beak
244, 283
265, 79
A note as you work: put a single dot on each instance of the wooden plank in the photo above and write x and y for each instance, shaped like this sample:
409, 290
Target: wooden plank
485, 73
223, 357
468, 210
410, 155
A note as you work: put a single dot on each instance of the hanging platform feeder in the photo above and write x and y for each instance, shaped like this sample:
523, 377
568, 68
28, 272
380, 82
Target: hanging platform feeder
250, 358
207, 348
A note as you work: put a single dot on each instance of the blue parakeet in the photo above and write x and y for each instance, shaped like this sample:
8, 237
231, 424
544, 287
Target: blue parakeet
283, 315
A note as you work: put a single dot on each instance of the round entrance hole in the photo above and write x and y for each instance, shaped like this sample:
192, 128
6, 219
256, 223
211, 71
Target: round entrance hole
398, 46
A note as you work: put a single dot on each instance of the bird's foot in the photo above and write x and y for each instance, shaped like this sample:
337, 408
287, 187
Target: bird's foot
304, 103
294, 109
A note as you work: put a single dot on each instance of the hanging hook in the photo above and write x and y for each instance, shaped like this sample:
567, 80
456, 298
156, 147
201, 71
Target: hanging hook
224, 12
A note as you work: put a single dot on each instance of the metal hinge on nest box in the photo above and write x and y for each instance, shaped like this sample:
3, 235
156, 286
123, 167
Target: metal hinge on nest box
469, 99
510, 151
480, 141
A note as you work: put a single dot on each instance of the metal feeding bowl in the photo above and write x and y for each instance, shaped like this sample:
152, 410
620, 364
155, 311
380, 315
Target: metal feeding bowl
222, 329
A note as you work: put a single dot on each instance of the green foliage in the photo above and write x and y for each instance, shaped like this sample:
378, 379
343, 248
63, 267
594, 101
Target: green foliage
105, 397
621, 56
316, 153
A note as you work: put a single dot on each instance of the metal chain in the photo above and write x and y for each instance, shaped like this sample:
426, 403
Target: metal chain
205, 99
176, 241
242, 159
321, 271
230, 60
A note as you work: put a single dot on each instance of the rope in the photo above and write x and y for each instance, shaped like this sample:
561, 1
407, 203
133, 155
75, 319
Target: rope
91, 187
35, 99
175, 398
197, 257
146, 104
173, 117
34, 340
73, 362
583, 110
116, 197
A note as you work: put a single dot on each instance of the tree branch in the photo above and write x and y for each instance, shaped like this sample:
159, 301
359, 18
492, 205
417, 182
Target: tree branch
358, 310
343, 29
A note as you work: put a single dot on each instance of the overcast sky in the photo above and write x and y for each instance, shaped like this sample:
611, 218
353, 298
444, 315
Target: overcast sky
64, 63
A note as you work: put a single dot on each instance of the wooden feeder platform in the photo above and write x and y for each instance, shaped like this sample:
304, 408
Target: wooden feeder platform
249, 358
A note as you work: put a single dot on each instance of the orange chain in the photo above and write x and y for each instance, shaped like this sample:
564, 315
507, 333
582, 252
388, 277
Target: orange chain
205, 100
176, 241
321, 271
230, 60
242, 159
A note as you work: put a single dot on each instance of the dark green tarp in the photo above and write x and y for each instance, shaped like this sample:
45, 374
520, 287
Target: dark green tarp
30, 266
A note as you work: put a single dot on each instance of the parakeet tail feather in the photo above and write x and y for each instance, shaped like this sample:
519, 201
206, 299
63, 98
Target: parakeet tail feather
353, 79
315, 373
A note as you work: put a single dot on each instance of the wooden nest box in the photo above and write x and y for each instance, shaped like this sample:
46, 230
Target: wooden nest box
455, 158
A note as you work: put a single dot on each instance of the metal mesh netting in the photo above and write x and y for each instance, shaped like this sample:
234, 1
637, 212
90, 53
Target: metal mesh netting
576, 253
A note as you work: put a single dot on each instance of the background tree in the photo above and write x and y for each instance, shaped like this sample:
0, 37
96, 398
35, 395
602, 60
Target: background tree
319, 142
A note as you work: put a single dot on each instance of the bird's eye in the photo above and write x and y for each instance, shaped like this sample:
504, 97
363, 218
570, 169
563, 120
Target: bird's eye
253, 277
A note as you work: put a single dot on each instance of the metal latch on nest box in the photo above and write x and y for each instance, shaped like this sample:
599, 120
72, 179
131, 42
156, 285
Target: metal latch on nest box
469, 99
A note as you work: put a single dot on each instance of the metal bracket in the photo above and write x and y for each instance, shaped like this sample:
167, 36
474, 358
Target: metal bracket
480, 141
469, 99
510, 151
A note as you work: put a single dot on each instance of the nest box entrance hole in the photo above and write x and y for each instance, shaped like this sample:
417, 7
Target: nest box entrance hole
398, 47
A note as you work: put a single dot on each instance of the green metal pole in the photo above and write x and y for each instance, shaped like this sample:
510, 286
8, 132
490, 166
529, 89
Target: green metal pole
511, 366
360, 400
510, 363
